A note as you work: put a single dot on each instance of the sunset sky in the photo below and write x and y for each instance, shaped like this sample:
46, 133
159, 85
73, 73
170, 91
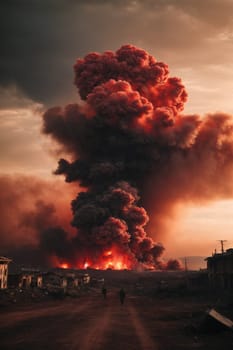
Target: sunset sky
40, 42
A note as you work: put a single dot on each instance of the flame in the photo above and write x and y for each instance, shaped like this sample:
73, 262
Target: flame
86, 265
64, 266
109, 259
56, 262
112, 259
108, 253
119, 265
109, 265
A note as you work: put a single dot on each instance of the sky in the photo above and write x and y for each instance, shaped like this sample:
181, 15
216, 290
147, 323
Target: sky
40, 42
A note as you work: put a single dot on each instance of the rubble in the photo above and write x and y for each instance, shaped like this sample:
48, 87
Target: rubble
27, 284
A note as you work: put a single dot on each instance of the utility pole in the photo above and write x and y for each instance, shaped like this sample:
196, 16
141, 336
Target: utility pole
185, 264
222, 242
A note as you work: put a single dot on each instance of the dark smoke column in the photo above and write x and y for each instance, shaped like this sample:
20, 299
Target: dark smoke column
116, 138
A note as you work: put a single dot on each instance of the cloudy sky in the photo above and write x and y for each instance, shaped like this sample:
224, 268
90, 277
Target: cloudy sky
40, 42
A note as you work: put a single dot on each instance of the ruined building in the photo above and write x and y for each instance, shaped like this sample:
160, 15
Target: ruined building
220, 270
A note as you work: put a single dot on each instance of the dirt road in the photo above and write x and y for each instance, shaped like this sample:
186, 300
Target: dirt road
85, 323
92, 323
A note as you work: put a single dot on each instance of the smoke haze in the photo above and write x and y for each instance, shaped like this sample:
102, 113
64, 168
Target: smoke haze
29, 207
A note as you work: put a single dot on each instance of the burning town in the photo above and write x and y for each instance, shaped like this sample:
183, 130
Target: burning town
180, 309
130, 155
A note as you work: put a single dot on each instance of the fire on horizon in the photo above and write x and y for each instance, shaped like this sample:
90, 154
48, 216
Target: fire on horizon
136, 156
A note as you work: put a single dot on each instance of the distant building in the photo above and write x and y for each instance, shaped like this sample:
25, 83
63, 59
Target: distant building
220, 270
4, 272
70, 277
25, 277
86, 278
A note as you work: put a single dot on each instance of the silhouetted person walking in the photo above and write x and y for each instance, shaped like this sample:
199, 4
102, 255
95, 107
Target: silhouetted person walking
104, 292
122, 296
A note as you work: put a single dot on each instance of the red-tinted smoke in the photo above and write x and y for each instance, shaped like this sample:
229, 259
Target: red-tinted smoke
29, 207
133, 149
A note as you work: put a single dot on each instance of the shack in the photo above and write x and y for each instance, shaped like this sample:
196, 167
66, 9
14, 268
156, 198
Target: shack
69, 277
4, 272
220, 270
25, 277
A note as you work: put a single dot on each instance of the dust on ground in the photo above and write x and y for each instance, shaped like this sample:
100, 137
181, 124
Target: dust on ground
159, 313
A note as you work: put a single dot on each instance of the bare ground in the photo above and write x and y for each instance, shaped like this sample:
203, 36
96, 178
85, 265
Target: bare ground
144, 322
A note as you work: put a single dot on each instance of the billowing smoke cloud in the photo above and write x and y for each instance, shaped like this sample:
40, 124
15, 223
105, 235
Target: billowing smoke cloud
135, 155
33, 209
